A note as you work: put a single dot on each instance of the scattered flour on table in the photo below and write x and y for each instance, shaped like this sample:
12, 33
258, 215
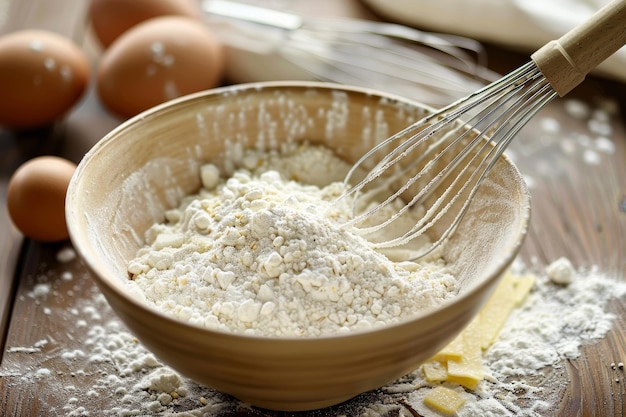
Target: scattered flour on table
526, 365
549, 148
261, 253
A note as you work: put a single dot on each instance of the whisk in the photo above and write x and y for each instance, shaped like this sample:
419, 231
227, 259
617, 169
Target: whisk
438, 163
434, 68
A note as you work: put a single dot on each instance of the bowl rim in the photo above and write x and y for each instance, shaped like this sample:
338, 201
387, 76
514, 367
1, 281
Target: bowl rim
422, 314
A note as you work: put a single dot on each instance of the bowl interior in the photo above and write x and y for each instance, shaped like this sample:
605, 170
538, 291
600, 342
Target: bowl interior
148, 164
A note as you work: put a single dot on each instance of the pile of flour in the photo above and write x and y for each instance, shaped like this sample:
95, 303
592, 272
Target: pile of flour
261, 253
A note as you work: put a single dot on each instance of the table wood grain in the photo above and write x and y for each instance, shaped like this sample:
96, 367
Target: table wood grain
578, 211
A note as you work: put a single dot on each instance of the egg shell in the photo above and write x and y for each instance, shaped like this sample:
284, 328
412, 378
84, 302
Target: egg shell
110, 18
42, 76
156, 61
36, 198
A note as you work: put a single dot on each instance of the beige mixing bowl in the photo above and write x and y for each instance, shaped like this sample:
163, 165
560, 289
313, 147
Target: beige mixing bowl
146, 165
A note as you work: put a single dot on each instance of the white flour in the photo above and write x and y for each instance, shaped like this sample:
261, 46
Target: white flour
262, 254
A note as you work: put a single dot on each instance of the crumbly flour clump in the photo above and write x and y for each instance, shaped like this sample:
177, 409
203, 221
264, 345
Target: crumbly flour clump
260, 253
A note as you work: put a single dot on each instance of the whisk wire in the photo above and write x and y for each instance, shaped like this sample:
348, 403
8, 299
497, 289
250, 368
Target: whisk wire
425, 129
436, 211
493, 115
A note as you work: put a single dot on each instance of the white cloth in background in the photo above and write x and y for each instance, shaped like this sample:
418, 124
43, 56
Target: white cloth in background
523, 25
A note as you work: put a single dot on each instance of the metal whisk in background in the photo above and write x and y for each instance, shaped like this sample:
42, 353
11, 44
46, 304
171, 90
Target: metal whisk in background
429, 67
438, 163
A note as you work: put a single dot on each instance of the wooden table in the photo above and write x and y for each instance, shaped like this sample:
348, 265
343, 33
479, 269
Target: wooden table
579, 211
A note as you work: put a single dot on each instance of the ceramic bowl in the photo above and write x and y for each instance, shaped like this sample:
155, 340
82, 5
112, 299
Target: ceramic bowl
146, 166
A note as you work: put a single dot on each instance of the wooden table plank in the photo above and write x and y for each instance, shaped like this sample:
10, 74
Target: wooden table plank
63, 17
16, 148
579, 211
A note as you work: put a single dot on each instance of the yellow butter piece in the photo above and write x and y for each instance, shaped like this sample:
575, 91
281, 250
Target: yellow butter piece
497, 309
435, 371
444, 400
510, 293
453, 350
461, 361
468, 381
468, 371
523, 285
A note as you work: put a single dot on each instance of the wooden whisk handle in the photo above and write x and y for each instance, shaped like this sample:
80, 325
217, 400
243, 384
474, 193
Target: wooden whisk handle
565, 62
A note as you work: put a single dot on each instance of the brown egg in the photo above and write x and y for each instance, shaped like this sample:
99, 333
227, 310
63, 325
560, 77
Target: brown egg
42, 75
111, 18
36, 198
158, 60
